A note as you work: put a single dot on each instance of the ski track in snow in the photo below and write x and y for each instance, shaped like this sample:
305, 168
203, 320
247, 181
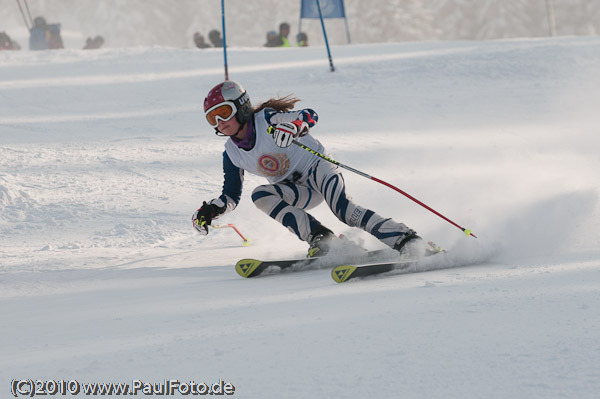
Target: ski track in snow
105, 157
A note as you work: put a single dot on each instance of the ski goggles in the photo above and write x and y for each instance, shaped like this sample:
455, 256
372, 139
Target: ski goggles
223, 111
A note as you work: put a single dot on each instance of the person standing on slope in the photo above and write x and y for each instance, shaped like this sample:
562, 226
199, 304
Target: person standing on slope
260, 142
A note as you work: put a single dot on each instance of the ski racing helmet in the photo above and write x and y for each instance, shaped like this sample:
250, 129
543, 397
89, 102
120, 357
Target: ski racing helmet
226, 100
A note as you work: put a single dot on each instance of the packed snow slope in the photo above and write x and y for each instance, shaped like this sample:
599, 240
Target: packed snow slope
105, 155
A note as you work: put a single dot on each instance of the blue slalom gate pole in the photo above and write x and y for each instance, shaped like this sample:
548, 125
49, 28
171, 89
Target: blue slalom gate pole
224, 39
325, 36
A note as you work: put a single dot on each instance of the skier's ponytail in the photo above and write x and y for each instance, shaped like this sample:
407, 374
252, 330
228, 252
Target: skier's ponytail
279, 104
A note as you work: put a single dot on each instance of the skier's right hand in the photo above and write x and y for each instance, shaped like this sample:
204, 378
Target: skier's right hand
204, 216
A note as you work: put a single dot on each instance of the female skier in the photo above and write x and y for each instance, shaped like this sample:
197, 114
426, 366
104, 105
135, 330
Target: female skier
298, 179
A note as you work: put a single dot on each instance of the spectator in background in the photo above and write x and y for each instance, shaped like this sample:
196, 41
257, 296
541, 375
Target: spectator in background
55, 41
43, 36
38, 39
6, 43
199, 41
272, 39
301, 40
95, 43
215, 38
284, 31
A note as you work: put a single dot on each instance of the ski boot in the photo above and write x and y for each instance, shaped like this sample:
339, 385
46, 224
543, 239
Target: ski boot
320, 242
411, 246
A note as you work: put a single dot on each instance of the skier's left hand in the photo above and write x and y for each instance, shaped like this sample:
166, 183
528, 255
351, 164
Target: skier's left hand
284, 134
302, 127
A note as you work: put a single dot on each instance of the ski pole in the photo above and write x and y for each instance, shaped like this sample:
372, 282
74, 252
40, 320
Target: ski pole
341, 165
224, 226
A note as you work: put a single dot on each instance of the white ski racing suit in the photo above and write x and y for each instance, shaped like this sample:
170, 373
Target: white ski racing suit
298, 181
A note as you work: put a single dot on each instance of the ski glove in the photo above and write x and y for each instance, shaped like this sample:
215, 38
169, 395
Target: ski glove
204, 216
286, 132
